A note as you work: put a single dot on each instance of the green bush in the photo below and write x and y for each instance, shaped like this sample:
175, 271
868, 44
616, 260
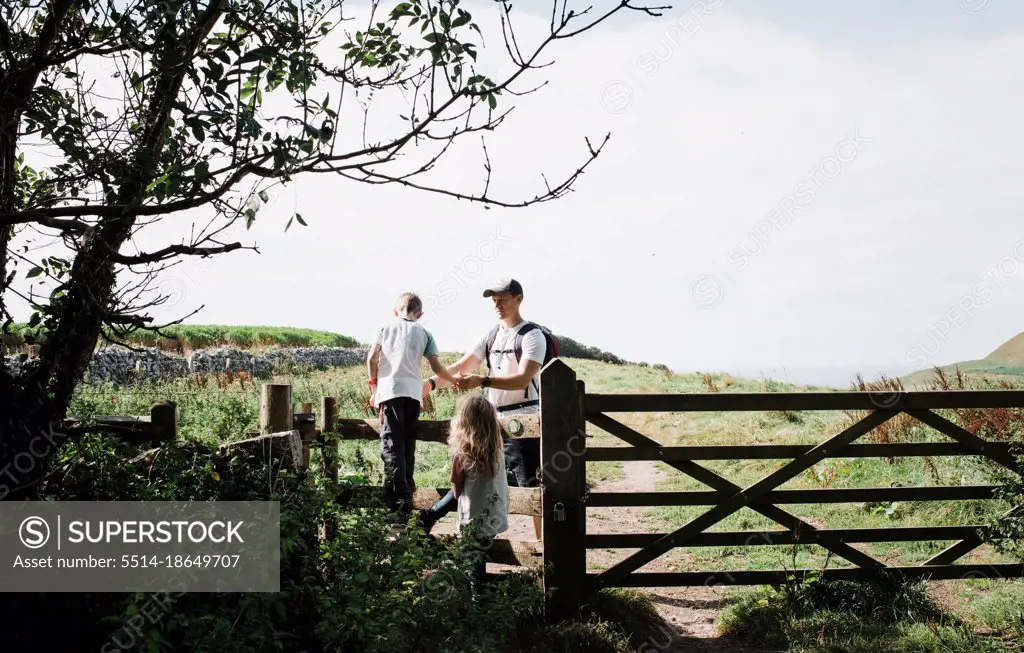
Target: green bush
357, 592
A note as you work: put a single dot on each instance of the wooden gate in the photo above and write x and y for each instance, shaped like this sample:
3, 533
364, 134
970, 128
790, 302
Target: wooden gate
565, 409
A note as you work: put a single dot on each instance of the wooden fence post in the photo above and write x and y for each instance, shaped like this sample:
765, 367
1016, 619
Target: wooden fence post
163, 418
563, 477
275, 408
328, 424
328, 430
306, 431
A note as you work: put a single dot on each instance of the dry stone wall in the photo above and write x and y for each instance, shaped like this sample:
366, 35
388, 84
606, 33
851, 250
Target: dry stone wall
120, 365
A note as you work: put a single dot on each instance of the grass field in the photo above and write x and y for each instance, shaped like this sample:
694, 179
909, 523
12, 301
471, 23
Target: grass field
186, 337
229, 410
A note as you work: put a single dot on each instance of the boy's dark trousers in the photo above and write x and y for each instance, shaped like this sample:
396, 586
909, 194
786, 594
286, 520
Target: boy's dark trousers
398, 418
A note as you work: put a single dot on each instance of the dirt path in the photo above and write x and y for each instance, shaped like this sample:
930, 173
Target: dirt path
690, 610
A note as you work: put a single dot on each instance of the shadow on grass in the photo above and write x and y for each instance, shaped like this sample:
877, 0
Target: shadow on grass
884, 615
613, 621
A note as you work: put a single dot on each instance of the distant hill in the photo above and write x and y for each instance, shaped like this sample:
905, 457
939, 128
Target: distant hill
570, 348
1010, 353
1006, 359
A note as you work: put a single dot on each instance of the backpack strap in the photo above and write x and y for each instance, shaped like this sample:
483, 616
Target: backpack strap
488, 344
523, 330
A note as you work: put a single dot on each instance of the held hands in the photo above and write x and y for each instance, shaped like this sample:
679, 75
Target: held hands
462, 382
468, 381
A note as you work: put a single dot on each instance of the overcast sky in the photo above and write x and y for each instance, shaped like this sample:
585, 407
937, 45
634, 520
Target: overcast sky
788, 184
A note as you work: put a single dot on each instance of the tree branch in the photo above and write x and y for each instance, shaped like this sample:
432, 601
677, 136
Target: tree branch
373, 177
176, 250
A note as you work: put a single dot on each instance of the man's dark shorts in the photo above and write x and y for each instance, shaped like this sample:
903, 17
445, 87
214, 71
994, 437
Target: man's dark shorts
522, 457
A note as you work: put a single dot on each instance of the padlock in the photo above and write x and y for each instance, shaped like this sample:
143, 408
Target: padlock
559, 511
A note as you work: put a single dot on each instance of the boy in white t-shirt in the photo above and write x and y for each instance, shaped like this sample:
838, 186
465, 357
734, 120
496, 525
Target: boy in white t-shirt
396, 384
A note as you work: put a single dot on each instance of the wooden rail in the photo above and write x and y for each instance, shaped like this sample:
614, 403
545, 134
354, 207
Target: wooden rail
161, 425
750, 401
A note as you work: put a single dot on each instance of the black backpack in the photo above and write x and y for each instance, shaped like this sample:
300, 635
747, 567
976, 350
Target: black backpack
550, 347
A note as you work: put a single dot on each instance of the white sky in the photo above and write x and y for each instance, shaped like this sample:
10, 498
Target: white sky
715, 121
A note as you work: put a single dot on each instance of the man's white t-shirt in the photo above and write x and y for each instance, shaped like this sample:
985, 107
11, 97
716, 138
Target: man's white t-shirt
403, 344
503, 363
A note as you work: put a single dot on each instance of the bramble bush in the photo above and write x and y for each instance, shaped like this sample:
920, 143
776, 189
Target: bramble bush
356, 592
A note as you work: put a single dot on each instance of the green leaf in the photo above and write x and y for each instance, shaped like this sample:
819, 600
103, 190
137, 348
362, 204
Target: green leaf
258, 54
202, 171
298, 218
34, 272
288, 226
492, 101
264, 196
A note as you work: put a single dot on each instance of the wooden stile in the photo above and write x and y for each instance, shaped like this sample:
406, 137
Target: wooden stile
519, 426
276, 449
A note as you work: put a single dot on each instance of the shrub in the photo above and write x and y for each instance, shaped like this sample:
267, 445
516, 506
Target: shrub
899, 428
710, 382
358, 592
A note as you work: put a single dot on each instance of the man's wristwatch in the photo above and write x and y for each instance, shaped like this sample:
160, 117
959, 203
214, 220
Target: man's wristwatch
486, 382
433, 384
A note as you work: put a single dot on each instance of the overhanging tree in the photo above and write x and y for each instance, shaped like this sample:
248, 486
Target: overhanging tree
134, 111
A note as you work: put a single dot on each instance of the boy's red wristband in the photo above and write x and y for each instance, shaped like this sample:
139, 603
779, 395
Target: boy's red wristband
373, 381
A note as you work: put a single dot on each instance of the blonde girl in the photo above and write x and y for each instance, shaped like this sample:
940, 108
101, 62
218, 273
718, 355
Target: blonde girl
478, 475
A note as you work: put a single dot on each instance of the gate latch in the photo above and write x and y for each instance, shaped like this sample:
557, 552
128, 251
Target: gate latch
559, 511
